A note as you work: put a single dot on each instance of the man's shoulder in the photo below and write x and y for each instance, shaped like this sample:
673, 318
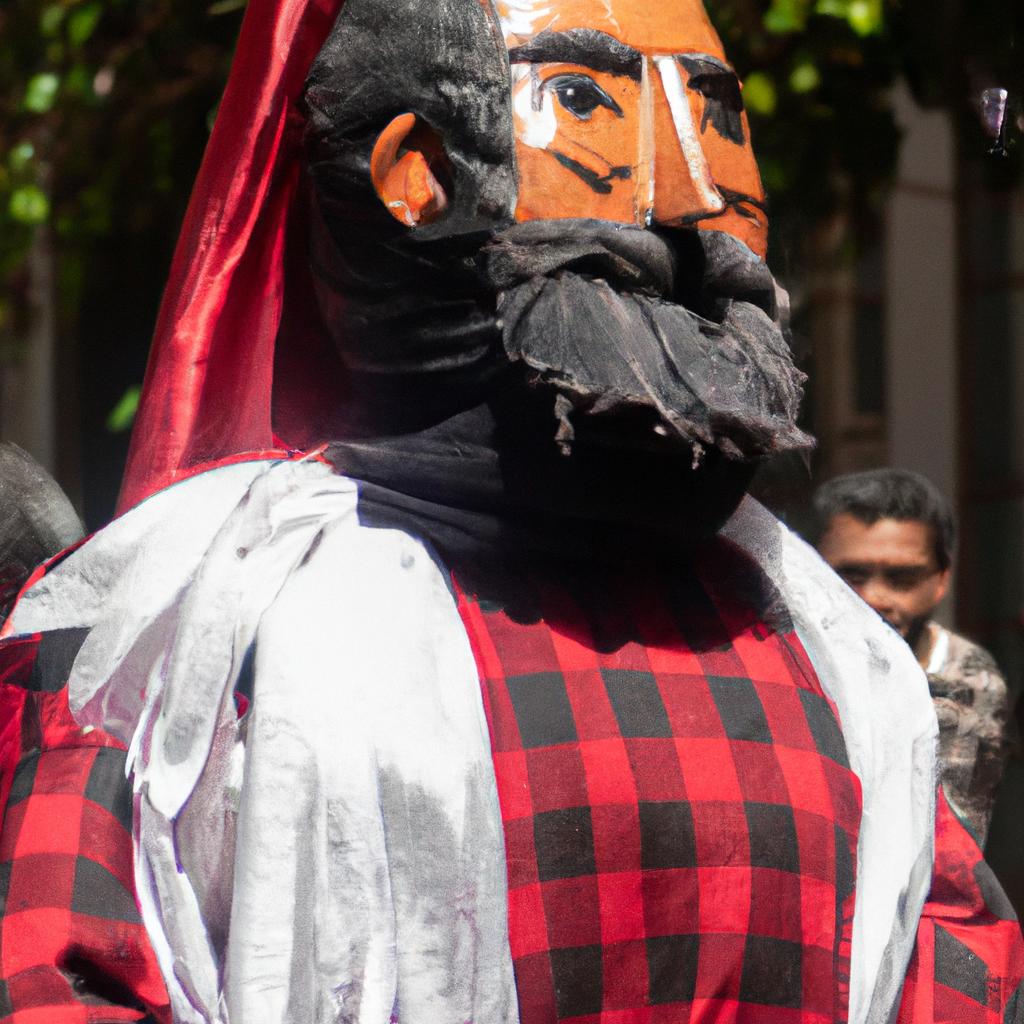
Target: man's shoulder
149, 555
966, 660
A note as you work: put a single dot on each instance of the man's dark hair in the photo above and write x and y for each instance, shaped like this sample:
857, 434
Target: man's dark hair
888, 494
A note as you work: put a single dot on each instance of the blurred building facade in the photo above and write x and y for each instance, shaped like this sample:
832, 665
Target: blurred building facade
918, 362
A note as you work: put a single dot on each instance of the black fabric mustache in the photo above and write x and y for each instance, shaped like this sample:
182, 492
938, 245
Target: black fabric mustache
618, 319
696, 268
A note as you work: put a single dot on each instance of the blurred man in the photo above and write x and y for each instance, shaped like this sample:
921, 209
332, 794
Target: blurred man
889, 533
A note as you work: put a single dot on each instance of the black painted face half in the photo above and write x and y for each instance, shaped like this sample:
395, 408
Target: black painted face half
445, 62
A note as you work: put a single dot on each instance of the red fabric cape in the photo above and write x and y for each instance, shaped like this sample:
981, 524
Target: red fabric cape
209, 386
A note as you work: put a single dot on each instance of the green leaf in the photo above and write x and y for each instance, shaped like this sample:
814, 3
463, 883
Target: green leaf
785, 16
774, 175
82, 23
41, 92
804, 77
759, 94
78, 82
123, 414
21, 156
29, 205
865, 17
225, 6
833, 8
50, 20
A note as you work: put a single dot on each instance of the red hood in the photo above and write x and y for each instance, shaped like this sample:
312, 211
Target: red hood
210, 380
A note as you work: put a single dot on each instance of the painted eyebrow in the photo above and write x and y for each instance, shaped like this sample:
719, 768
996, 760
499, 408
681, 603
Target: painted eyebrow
586, 46
705, 62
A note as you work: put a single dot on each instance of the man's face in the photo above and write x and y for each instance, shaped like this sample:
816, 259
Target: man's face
627, 111
891, 564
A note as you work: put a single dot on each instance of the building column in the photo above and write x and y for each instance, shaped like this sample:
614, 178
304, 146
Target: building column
921, 301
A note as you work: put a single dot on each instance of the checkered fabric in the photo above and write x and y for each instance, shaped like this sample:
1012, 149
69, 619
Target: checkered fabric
680, 817
680, 826
72, 946
969, 960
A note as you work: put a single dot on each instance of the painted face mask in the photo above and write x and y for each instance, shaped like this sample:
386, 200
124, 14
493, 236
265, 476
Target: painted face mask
628, 111
620, 274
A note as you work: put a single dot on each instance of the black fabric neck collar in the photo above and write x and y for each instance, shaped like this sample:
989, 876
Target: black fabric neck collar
492, 493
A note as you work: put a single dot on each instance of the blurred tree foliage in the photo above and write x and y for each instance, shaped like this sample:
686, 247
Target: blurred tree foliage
818, 81
817, 86
105, 107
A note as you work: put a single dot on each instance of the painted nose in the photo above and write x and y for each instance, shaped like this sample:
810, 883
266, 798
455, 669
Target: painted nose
684, 190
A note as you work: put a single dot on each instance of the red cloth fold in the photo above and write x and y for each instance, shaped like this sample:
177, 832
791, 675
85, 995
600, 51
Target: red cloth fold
209, 385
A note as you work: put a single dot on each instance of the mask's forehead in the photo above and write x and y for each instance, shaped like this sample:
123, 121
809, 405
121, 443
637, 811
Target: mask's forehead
670, 26
626, 110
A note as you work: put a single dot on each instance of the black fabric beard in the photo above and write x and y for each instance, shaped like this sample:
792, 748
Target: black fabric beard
597, 311
463, 428
677, 333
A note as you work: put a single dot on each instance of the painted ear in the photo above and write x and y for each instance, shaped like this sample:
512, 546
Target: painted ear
403, 163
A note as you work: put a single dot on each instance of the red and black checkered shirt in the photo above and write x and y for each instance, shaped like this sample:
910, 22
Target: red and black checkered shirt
73, 949
969, 959
680, 817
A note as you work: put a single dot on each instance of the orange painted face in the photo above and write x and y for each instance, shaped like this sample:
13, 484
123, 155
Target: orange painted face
626, 110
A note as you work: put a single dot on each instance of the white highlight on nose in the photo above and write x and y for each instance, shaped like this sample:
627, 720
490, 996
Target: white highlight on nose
682, 118
647, 148
534, 109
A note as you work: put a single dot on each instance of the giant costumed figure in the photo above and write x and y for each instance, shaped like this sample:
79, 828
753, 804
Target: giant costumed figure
453, 677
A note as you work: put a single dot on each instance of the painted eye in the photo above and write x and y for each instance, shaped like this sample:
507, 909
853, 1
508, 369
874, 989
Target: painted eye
581, 95
723, 102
